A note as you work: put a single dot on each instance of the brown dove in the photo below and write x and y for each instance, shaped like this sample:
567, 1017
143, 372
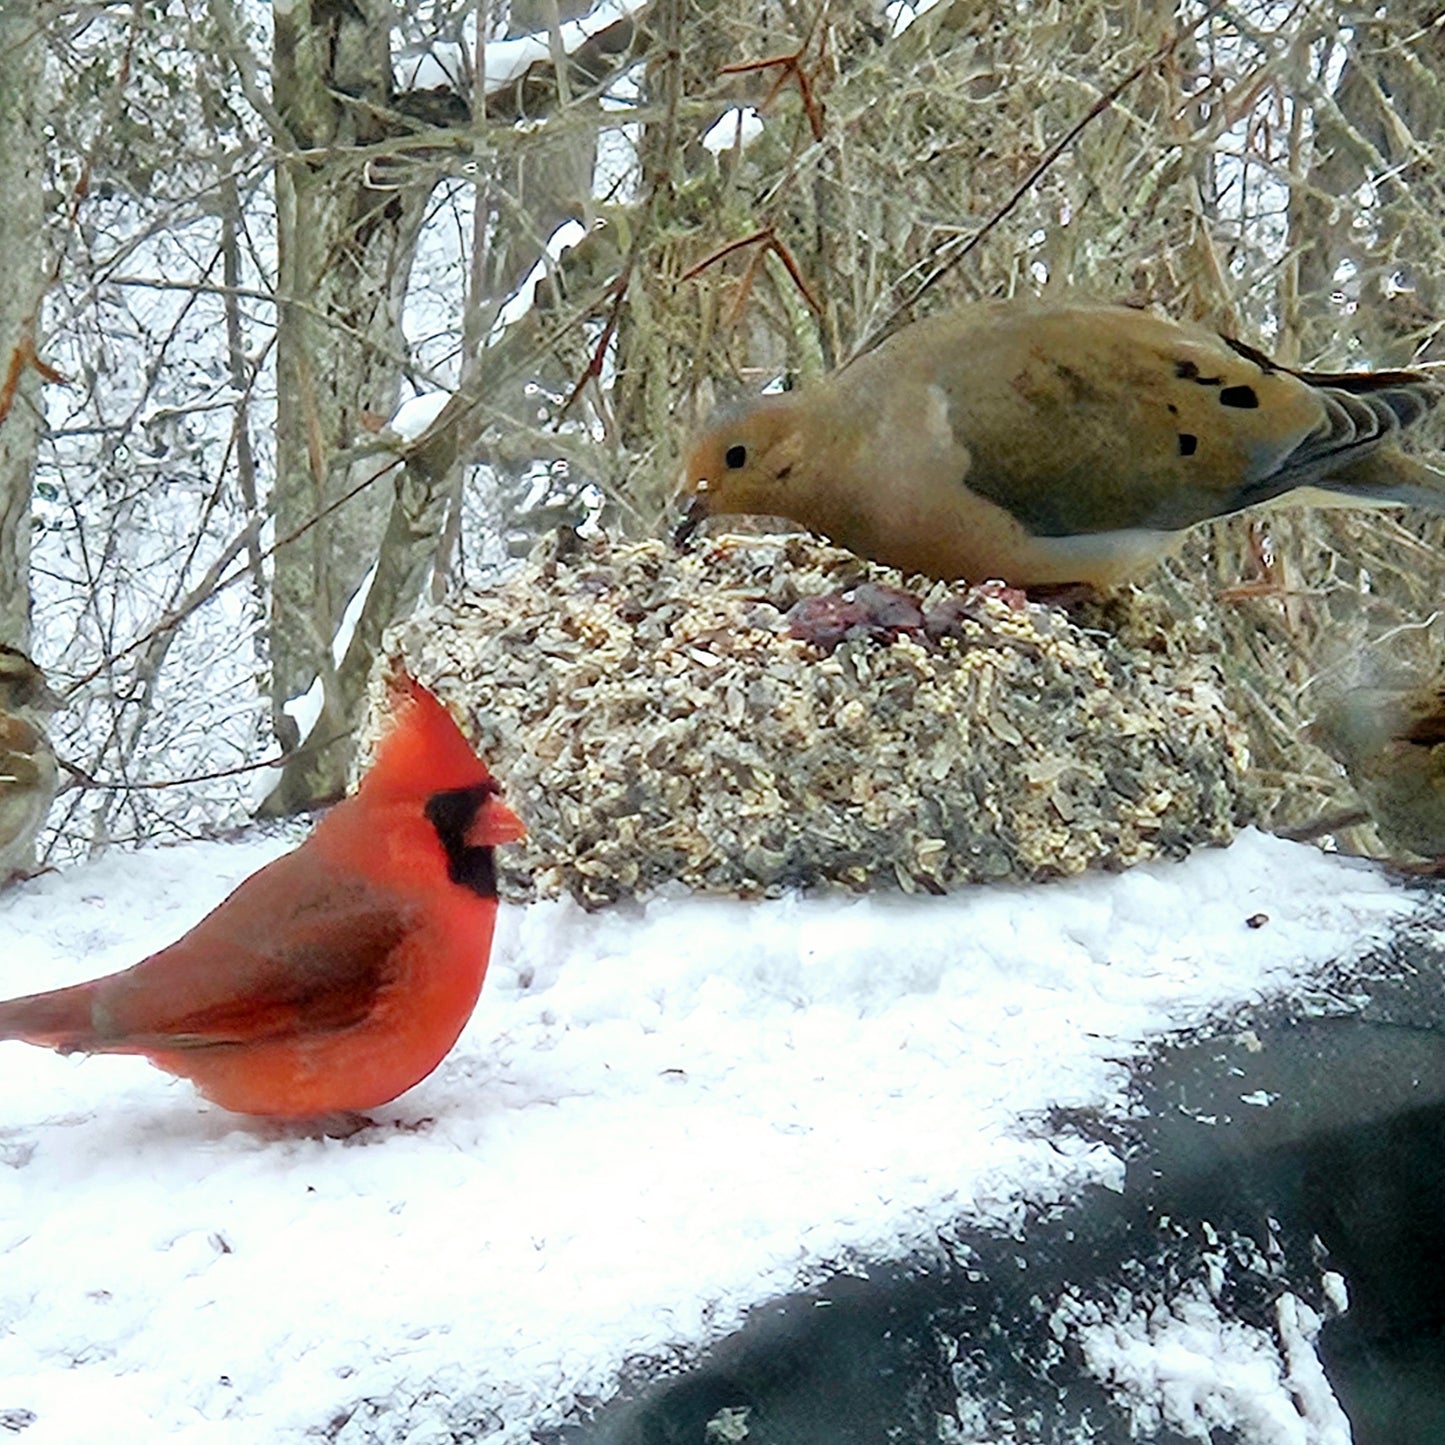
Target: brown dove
1391, 742
28, 772
1054, 444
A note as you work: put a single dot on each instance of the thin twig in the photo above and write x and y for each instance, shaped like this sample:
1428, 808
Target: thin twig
86, 783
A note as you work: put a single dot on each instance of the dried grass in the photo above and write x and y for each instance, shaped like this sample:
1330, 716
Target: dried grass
1263, 169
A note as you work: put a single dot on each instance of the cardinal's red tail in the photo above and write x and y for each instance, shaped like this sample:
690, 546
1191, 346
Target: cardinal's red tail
57, 1020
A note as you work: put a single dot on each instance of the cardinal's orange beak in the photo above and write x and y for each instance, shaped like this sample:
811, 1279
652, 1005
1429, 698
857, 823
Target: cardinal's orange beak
493, 823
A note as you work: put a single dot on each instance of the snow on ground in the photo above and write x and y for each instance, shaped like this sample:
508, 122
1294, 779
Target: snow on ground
1186, 1366
658, 1117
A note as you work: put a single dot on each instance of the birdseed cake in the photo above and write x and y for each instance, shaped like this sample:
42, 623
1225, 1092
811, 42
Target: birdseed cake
761, 713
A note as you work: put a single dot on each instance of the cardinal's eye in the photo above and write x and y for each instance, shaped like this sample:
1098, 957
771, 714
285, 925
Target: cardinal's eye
736, 457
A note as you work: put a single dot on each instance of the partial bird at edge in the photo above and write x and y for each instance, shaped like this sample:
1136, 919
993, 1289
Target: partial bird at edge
29, 774
1391, 743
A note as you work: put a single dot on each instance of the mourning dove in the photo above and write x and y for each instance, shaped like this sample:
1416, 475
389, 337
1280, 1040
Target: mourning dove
28, 773
1046, 445
1391, 742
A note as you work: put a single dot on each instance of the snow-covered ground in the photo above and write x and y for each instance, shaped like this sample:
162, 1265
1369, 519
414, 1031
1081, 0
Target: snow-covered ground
658, 1117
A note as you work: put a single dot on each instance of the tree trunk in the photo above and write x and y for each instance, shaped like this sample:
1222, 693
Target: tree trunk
346, 235
22, 56
348, 224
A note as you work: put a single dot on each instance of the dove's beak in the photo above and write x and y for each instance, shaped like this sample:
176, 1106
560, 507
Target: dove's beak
694, 512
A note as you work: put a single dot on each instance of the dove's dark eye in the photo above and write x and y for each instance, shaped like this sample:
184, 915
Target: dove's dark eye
736, 457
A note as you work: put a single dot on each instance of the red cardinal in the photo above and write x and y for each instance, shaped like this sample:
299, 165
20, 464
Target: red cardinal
339, 975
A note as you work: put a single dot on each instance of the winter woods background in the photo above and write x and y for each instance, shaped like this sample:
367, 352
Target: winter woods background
238, 238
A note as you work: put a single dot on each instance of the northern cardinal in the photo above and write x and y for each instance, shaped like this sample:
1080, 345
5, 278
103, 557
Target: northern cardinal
1044, 444
337, 976
28, 772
